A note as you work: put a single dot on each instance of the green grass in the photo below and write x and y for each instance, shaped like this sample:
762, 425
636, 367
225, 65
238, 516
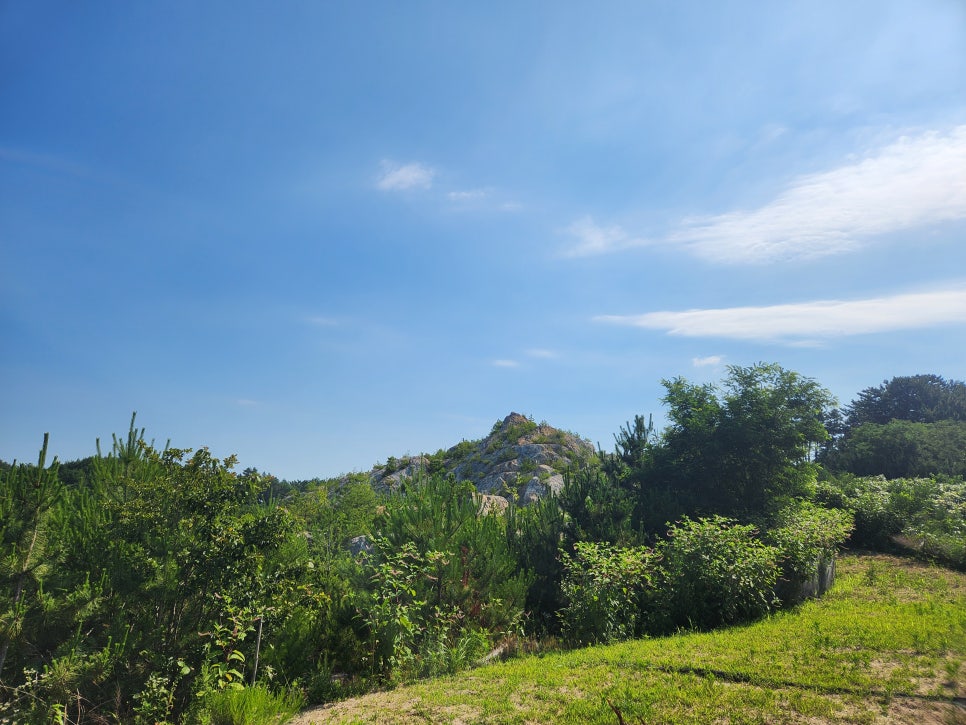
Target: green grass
887, 644
251, 706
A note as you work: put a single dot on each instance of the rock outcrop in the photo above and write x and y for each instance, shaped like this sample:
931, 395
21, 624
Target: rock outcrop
519, 461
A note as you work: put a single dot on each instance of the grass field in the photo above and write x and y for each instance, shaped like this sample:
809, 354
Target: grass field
886, 645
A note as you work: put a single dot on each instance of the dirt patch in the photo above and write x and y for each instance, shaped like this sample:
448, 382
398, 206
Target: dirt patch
912, 711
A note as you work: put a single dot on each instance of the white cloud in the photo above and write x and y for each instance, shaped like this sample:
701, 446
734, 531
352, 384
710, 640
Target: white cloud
541, 353
468, 195
912, 182
506, 363
809, 321
408, 176
595, 239
700, 362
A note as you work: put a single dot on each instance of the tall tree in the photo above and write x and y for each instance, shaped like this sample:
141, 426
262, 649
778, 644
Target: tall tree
902, 449
740, 450
908, 426
915, 398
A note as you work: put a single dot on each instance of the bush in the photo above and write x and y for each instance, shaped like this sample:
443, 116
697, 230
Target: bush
442, 576
443, 653
869, 501
938, 527
927, 515
715, 572
604, 588
806, 536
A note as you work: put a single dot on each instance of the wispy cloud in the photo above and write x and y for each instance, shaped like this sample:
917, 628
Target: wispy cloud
417, 176
396, 177
809, 322
504, 363
593, 239
912, 182
542, 353
467, 195
710, 360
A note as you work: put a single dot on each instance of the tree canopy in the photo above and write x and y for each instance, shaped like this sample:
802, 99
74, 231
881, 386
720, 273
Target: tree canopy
907, 426
743, 449
915, 398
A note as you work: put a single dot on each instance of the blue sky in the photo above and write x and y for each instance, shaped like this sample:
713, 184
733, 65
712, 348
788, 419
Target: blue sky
320, 234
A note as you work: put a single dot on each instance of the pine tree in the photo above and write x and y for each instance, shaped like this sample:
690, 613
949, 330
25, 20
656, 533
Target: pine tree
29, 498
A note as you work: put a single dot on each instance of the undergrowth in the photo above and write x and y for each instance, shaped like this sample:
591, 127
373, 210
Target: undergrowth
889, 637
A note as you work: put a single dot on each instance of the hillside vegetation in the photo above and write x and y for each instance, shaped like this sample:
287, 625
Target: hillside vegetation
147, 585
887, 645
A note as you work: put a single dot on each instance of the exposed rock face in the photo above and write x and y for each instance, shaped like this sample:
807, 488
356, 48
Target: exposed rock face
360, 545
519, 461
391, 476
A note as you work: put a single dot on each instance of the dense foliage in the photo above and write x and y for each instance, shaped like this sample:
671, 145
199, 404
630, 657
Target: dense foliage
606, 589
444, 581
717, 572
137, 592
902, 449
154, 586
906, 427
916, 398
926, 515
804, 534
742, 451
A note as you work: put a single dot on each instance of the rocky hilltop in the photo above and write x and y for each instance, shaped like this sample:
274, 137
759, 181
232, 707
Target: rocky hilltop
519, 462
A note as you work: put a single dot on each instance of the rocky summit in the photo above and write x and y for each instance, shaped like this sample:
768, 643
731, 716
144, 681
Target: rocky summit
519, 462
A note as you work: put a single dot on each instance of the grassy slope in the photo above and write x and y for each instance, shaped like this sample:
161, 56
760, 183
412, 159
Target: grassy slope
888, 644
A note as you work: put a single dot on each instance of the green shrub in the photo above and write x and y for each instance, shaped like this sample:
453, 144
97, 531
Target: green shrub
715, 572
868, 500
938, 528
443, 653
455, 455
807, 537
514, 431
804, 533
604, 588
534, 534
927, 515
440, 572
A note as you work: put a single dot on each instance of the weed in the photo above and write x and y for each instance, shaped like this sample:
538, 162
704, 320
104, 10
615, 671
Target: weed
255, 705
